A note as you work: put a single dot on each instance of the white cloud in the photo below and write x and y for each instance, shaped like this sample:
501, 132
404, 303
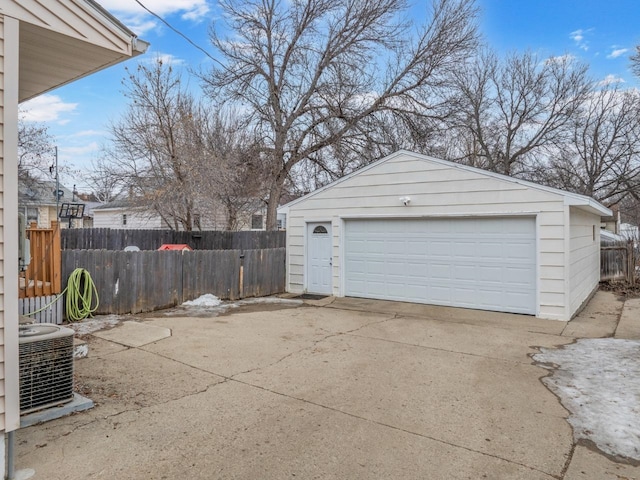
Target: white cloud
611, 78
80, 150
47, 108
561, 59
578, 36
140, 21
165, 58
86, 133
616, 52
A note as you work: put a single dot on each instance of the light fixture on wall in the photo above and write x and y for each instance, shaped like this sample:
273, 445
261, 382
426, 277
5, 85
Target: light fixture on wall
405, 200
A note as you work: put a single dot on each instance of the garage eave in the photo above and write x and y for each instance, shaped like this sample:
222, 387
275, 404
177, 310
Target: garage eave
588, 204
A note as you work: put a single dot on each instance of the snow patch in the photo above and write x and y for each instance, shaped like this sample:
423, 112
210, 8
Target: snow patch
94, 324
598, 381
206, 300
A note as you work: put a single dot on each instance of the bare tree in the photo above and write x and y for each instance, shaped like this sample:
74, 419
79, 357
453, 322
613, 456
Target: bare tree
310, 72
635, 62
104, 179
601, 158
35, 150
232, 176
154, 145
509, 110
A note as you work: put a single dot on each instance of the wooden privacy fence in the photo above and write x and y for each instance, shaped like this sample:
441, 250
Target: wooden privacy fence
118, 239
135, 282
617, 262
42, 276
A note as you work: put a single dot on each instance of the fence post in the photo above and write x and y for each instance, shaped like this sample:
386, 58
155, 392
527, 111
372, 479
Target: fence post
241, 282
631, 263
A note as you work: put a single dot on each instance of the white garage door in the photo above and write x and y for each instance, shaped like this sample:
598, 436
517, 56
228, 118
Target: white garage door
484, 263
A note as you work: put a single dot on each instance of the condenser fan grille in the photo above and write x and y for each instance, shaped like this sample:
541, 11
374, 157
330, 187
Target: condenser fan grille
46, 373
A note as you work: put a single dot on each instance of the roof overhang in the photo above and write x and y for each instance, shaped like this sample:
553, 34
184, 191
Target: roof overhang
589, 205
63, 41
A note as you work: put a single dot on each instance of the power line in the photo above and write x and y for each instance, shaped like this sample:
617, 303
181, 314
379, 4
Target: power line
178, 32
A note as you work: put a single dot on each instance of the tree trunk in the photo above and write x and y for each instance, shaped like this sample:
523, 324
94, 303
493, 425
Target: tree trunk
275, 192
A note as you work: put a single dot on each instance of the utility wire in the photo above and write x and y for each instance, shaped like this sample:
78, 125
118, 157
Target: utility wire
179, 33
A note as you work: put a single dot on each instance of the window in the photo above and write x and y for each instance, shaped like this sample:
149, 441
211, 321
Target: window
256, 222
320, 229
32, 215
124, 219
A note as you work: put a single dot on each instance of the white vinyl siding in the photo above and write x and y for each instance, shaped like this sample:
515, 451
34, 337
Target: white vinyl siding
436, 190
113, 218
584, 256
2, 280
9, 384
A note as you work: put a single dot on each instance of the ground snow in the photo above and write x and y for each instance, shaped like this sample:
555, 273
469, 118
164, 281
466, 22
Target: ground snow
93, 324
212, 306
598, 381
206, 300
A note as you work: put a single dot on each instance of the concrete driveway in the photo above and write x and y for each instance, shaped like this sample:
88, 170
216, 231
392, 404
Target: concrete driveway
336, 389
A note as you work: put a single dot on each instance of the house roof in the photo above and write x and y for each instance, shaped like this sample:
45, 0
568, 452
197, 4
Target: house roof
119, 203
60, 42
572, 199
42, 193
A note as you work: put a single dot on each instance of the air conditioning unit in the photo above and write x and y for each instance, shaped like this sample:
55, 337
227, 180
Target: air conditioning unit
46, 366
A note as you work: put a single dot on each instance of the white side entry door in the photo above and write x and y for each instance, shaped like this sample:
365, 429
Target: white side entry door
319, 258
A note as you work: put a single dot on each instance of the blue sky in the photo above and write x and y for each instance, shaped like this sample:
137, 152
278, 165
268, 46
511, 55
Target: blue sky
598, 32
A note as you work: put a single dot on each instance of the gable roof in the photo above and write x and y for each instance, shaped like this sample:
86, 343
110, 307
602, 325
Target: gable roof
573, 199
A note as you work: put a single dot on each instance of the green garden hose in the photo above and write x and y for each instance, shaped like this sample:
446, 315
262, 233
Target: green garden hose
79, 302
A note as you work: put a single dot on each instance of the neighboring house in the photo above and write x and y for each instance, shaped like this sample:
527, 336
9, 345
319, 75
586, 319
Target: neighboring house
126, 214
37, 202
43, 45
629, 231
418, 229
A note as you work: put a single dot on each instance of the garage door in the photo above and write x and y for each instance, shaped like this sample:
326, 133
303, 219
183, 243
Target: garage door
484, 263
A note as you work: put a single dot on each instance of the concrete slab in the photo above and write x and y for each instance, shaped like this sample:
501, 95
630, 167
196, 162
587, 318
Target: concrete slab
134, 334
242, 342
499, 343
400, 391
629, 326
97, 347
78, 404
454, 315
133, 378
491, 406
598, 319
588, 465
238, 431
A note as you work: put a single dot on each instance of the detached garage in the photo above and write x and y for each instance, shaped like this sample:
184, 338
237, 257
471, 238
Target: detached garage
418, 229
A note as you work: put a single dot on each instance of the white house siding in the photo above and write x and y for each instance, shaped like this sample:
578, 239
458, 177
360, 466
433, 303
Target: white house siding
435, 190
2, 281
9, 404
584, 256
112, 218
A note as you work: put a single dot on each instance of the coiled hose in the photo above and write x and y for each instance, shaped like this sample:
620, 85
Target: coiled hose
80, 292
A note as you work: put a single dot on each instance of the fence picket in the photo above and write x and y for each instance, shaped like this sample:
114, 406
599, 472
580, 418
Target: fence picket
118, 239
136, 282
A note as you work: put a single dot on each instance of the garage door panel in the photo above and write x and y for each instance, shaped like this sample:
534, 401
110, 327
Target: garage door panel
440, 248
485, 263
518, 276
